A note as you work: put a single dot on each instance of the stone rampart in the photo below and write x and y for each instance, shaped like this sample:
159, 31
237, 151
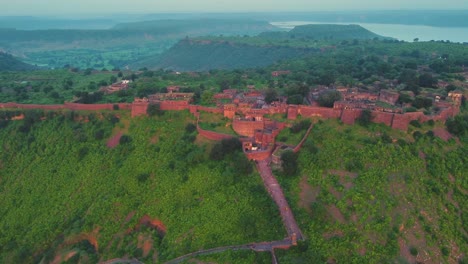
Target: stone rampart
349, 116
247, 128
211, 135
382, 117
314, 111
173, 105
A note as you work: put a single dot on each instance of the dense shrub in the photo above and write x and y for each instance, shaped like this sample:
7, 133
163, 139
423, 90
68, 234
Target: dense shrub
328, 98
289, 160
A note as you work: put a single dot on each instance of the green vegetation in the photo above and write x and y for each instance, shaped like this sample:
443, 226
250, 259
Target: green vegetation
216, 122
9, 63
59, 182
325, 32
117, 47
358, 195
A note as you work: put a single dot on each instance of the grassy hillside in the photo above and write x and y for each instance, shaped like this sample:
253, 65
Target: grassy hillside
375, 195
10, 63
65, 192
201, 55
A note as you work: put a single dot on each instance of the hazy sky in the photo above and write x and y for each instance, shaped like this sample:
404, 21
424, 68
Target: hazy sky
64, 7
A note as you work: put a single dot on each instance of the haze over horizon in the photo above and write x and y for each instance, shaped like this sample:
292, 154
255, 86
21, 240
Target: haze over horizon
84, 7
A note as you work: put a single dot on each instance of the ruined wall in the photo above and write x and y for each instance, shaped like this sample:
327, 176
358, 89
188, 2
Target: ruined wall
246, 128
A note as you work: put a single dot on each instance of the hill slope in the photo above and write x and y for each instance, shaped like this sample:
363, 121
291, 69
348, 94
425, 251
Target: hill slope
207, 53
10, 63
201, 55
118, 46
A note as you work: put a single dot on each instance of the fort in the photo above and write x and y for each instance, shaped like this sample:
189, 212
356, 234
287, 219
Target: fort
249, 111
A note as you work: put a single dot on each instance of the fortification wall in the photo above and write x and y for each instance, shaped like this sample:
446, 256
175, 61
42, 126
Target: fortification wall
311, 111
69, 106
401, 121
173, 105
213, 110
382, 117
211, 135
259, 155
349, 116
31, 106
246, 128
139, 108
292, 112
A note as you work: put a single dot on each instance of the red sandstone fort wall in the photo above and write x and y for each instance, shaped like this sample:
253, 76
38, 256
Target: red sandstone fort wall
211, 135
31, 106
174, 105
139, 108
247, 128
382, 117
312, 111
349, 116
258, 155
69, 106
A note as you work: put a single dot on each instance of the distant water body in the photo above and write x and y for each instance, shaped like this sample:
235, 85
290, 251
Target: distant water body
401, 32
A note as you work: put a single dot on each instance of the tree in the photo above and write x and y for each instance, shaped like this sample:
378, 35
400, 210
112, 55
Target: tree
207, 98
365, 118
328, 98
426, 80
154, 109
289, 160
271, 95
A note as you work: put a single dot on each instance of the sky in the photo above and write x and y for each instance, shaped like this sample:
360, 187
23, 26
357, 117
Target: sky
65, 7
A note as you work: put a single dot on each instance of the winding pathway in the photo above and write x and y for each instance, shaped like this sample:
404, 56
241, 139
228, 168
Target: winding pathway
275, 191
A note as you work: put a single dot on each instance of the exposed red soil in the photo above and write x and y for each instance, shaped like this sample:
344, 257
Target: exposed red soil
114, 141
336, 213
130, 216
338, 195
20, 117
145, 243
442, 133
154, 139
336, 233
63, 257
346, 177
149, 222
307, 195
91, 237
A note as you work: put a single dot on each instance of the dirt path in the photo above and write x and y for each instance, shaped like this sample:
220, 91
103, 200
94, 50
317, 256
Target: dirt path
275, 191
259, 247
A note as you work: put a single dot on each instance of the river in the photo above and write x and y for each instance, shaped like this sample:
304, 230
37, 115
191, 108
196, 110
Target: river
401, 32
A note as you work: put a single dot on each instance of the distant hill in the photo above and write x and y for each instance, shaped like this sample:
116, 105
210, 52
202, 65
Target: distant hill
10, 63
246, 52
201, 55
119, 46
326, 31
200, 26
